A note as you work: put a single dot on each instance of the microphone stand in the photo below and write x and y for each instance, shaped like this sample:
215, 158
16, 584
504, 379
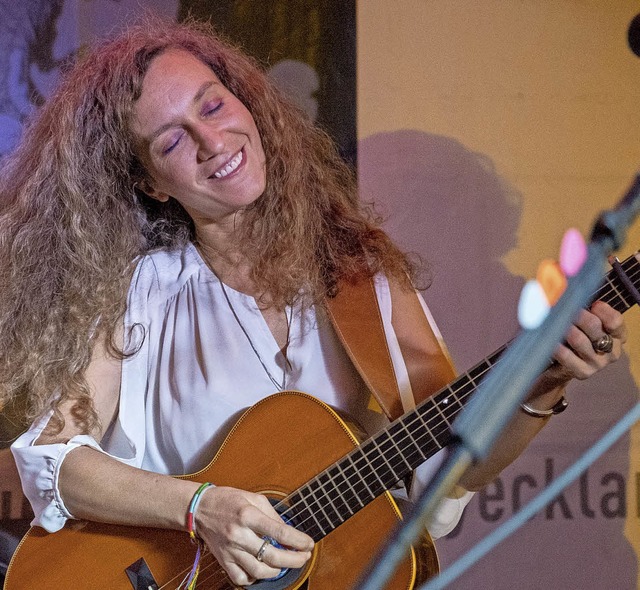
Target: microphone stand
506, 386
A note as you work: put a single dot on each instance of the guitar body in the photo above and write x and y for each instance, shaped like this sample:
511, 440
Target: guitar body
276, 446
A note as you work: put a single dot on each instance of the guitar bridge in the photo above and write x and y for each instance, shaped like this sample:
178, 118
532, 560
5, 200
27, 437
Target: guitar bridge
140, 576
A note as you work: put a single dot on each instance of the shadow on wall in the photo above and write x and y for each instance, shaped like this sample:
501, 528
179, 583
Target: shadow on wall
450, 206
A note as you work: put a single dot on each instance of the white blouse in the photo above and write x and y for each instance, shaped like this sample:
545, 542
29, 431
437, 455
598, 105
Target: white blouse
199, 360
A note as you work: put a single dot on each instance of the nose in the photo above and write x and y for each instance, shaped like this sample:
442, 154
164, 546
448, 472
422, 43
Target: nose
209, 140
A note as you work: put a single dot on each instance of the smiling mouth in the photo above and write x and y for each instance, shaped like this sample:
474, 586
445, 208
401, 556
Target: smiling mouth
230, 166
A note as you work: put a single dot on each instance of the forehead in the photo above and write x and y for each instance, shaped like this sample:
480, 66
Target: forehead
175, 69
174, 79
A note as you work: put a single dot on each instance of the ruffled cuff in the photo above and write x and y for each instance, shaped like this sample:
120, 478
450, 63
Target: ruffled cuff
448, 514
39, 469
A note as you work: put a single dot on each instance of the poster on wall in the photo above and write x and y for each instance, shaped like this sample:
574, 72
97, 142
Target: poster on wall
39, 37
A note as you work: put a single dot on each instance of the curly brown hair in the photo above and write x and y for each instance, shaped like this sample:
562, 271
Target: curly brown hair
72, 223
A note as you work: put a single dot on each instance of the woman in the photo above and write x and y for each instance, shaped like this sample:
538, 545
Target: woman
176, 226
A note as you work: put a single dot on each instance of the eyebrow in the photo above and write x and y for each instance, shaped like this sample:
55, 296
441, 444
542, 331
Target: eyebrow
196, 97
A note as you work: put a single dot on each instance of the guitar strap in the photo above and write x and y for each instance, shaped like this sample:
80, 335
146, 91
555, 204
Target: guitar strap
357, 319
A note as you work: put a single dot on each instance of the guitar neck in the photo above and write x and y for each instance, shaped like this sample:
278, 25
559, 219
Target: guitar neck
330, 498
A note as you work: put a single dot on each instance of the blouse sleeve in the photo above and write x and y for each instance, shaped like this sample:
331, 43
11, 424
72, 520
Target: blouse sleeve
449, 511
39, 469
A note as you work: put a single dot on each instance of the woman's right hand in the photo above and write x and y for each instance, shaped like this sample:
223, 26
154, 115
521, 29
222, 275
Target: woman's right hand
233, 524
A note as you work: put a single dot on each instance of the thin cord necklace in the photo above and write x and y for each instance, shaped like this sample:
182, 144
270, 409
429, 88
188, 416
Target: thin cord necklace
279, 386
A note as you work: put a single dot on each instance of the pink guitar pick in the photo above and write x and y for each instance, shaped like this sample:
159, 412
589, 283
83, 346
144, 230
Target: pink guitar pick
573, 252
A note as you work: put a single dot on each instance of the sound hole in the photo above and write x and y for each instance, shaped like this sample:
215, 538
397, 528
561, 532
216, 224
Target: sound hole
287, 576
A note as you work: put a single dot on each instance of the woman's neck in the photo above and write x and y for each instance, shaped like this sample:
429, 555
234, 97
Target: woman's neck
234, 270
218, 245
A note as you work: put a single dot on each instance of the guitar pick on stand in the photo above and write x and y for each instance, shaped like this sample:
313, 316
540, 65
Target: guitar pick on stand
539, 295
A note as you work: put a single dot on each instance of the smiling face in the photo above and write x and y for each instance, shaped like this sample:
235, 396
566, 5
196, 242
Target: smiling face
198, 143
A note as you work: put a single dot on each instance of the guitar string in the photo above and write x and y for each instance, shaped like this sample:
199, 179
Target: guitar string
610, 290
203, 569
217, 576
218, 572
359, 484
434, 415
606, 290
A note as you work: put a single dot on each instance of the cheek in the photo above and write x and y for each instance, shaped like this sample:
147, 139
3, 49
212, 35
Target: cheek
171, 173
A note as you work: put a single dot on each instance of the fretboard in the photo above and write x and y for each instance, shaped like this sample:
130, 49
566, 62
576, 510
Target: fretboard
336, 494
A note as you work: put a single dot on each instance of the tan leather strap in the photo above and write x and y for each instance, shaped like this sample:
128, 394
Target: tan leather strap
356, 318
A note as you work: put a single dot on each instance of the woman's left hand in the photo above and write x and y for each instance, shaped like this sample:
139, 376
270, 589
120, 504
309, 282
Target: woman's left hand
578, 357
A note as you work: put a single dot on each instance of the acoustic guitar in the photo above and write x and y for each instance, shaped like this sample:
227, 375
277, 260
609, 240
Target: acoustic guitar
301, 454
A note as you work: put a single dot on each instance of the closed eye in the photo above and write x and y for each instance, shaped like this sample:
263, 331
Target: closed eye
172, 145
211, 108
208, 109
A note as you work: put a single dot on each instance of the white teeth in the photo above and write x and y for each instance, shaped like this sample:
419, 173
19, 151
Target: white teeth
230, 167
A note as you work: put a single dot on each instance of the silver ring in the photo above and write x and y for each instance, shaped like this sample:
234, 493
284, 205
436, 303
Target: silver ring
603, 345
261, 551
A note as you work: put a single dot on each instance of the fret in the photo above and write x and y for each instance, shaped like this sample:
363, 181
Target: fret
632, 271
429, 443
618, 291
437, 407
392, 455
464, 390
393, 436
439, 428
318, 517
352, 467
302, 517
613, 281
436, 425
418, 413
635, 283
450, 409
408, 442
477, 373
388, 449
411, 452
351, 488
364, 466
604, 292
337, 477
414, 432
450, 399
384, 467
325, 501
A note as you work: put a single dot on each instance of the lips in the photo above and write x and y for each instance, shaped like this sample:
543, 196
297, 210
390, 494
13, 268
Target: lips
230, 167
